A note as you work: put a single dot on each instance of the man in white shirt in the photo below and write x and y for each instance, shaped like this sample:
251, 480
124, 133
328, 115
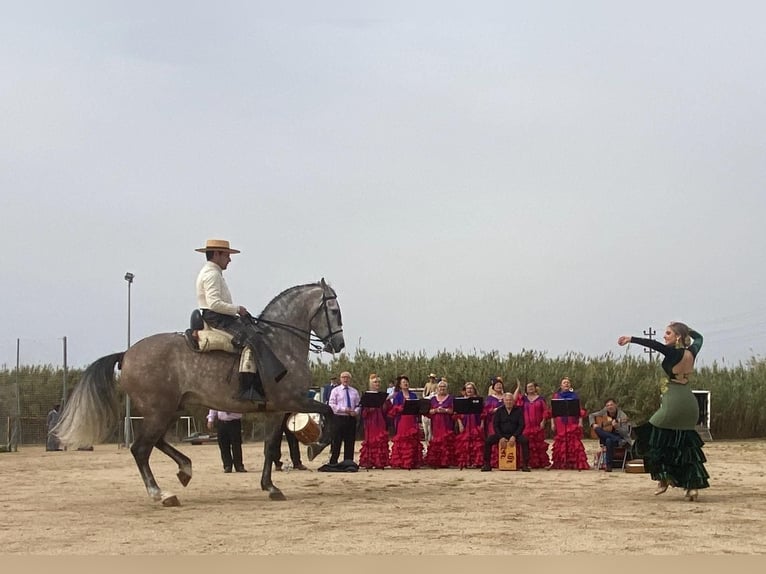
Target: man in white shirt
215, 301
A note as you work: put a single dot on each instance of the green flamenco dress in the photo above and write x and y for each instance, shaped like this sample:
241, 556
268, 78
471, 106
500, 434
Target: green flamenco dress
669, 443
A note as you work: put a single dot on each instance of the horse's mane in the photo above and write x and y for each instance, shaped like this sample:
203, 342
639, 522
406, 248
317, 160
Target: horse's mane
285, 292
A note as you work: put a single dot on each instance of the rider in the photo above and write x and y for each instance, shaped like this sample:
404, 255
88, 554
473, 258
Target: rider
218, 311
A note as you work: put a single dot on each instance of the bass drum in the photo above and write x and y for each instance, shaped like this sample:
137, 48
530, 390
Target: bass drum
304, 427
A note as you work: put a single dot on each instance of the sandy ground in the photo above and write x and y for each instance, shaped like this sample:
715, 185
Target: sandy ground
95, 503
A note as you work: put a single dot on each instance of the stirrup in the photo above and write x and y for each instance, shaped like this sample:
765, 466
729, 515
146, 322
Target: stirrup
191, 340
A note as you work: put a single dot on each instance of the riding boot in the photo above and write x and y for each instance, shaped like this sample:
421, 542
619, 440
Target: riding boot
268, 363
251, 388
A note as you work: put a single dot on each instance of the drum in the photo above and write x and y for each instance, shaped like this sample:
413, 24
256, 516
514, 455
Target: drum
304, 427
507, 456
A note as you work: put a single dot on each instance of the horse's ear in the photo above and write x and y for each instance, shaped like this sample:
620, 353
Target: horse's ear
324, 285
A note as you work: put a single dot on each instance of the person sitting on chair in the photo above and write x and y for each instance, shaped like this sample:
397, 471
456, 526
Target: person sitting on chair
215, 301
508, 425
613, 431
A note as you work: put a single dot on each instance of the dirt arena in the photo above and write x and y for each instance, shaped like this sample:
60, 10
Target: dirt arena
86, 503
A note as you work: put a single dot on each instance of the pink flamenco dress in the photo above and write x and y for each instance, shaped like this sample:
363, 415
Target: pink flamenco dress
535, 413
406, 448
469, 444
490, 406
568, 449
441, 447
374, 451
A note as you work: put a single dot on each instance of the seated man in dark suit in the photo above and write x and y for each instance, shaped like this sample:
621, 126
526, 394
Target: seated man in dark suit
508, 423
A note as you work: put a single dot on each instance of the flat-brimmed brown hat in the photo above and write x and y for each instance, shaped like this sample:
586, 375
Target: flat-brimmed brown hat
217, 245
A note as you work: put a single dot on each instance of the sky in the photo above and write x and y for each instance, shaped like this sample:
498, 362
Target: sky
469, 177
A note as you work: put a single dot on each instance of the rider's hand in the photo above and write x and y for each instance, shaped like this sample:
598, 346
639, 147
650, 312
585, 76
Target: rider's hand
242, 312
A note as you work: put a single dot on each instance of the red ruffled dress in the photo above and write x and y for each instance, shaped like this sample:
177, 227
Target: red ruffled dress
374, 451
441, 447
490, 406
568, 450
534, 414
406, 448
469, 444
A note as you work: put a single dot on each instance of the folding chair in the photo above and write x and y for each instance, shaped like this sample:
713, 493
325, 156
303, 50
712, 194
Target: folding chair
620, 456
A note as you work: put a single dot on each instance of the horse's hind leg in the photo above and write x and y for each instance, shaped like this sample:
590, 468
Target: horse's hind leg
141, 448
184, 462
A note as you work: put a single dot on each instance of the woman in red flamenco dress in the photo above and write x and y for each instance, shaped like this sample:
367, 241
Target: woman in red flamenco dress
374, 451
469, 443
568, 450
406, 448
493, 402
441, 447
535, 411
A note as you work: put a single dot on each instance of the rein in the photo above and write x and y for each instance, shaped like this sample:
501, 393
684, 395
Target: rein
303, 334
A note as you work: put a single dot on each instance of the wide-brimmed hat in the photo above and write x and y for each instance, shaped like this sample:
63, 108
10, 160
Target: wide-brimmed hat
217, 245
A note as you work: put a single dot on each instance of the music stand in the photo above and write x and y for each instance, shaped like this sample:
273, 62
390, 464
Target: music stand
566, 408
468, 405
373, 399
416, 406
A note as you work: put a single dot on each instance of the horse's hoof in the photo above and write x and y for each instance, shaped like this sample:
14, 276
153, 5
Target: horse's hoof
276, 495
170, 500
183, 477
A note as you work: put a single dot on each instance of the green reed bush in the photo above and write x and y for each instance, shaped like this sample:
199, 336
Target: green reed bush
738, 393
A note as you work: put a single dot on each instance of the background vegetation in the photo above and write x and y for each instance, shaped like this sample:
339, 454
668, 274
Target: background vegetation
738, 394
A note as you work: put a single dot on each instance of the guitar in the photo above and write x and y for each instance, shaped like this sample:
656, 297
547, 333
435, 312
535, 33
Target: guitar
606, 422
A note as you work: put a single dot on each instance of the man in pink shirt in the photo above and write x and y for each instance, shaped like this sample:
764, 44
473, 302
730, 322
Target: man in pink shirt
229, 427
344, 402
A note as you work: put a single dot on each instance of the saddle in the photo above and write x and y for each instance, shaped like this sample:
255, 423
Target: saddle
202, 338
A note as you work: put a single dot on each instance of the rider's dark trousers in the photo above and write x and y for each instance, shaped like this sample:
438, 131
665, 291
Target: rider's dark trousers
230, 443
345, 432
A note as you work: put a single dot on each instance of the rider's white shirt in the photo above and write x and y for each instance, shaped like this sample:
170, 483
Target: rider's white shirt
212, 291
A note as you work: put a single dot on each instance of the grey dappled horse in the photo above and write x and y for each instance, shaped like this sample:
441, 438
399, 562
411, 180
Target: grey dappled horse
162, 375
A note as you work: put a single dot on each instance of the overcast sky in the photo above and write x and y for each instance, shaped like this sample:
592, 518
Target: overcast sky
469, 176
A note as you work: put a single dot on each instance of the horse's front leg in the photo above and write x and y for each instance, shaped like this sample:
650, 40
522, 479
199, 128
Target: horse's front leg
273, 428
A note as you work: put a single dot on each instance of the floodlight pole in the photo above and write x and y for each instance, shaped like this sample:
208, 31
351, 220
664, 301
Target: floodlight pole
128, 427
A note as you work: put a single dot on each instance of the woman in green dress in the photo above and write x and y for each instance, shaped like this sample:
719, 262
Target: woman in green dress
669, 443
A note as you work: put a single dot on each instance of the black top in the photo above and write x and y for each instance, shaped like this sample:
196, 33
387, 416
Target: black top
509, 424
673, 355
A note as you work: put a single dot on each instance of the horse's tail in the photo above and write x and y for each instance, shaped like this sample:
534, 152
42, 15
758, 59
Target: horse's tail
91, 412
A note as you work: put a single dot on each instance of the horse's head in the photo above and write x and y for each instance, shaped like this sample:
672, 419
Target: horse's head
326, 321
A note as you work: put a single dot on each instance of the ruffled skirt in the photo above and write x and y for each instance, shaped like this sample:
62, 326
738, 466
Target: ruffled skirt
569, 451
672, 455
538, 448
441, 451
374, 451
407, 450
469, 448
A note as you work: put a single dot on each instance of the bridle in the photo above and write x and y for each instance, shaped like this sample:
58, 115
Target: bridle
308, 335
